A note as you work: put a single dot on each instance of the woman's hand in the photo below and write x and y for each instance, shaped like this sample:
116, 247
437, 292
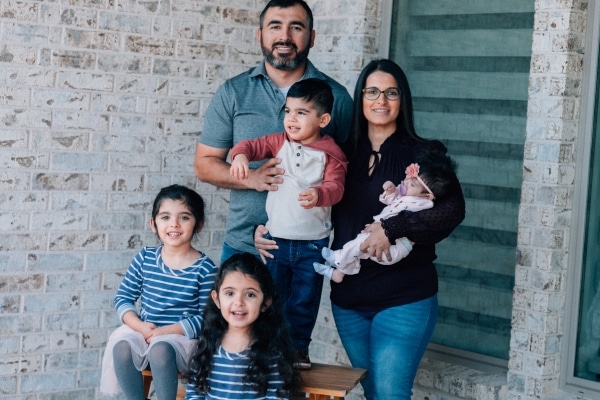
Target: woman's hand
263, 245
377, 243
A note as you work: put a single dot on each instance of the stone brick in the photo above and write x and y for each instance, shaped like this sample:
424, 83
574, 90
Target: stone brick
119, 241
59, 241
41, 303
86, 80
66, 181
118, 22
92, 40
134, 64
118, 183
66, 200
122, 103
23, 242
36, 383
42, 140
8, 385
140, 163
177, 68
118, 221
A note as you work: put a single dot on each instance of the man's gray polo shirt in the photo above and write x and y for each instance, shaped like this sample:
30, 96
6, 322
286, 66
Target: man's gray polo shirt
248, 106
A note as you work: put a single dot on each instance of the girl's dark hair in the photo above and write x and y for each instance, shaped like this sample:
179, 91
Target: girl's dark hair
315, 91
287, 4
193, 200
405, 123
438, 171
270, 336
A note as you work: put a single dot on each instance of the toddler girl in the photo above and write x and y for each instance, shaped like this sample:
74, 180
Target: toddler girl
245, 350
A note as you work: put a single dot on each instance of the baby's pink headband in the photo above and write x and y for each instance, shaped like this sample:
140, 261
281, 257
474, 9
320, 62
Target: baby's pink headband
412, 171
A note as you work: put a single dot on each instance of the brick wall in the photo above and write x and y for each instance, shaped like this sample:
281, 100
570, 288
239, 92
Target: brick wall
101, 105
545, 218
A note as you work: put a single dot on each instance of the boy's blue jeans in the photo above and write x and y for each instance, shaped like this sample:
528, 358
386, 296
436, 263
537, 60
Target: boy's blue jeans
299, 284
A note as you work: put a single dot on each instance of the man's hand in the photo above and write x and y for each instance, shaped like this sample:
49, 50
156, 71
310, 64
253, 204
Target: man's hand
263, 245
210, 166
309, 198
267, 176
377, 243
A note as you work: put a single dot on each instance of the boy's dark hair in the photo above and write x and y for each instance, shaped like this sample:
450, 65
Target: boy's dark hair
438, 171
192, 200
286, 4
315, 91
270, 336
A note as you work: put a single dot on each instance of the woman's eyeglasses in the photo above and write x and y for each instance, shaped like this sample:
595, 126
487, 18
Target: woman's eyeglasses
373, 93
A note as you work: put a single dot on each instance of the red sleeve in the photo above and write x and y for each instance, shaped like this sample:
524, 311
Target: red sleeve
260, 148
334, 177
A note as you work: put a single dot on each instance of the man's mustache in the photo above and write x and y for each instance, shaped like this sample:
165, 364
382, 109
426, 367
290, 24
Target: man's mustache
286, 44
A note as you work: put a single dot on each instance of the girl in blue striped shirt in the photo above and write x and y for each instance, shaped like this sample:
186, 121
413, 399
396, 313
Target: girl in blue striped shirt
245, 349
172, 283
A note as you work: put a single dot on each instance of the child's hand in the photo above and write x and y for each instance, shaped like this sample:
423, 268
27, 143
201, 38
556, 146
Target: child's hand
239, 167
165, 330
389, 187
309, 198
147, 329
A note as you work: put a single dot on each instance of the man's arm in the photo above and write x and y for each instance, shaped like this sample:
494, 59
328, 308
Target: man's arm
210, 167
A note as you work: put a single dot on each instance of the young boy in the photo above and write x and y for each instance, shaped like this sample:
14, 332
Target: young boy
299, 211
417, 192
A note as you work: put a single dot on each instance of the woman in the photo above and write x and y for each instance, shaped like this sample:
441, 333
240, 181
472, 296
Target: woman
386, 314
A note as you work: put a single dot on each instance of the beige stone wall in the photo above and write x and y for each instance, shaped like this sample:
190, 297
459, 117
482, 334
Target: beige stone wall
101, 105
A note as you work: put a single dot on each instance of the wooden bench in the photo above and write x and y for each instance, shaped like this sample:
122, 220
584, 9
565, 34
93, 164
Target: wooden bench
321, 382
324, 381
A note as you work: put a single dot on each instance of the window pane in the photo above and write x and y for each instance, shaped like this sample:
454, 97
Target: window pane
468, 66
587, 364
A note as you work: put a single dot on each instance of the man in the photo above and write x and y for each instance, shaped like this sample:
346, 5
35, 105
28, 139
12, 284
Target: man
251, 105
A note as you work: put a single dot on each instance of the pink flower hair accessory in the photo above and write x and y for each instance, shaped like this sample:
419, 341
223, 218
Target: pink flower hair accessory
412, 172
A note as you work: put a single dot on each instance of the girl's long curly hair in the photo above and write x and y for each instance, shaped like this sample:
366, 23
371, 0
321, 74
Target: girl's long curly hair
270, 336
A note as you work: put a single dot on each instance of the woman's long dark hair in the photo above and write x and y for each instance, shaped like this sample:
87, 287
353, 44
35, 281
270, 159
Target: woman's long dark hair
270, 336
404, 122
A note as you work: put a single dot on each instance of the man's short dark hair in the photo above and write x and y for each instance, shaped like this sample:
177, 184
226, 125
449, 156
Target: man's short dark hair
315, 91
286, 4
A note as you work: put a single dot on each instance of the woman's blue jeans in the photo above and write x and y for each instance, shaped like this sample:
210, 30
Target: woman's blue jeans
389, 343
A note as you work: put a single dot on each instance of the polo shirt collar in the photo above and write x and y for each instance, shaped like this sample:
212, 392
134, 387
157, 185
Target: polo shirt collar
311, 71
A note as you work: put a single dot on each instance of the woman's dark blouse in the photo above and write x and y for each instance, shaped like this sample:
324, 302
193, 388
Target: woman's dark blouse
414, 278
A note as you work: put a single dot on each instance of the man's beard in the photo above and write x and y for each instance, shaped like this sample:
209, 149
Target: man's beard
287, 63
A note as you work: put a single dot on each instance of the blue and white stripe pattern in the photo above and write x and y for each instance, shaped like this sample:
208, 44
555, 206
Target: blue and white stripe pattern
167, 295
228, 376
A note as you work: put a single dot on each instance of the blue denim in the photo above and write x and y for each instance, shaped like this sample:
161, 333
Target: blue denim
389, 343
227, 251
298, 283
